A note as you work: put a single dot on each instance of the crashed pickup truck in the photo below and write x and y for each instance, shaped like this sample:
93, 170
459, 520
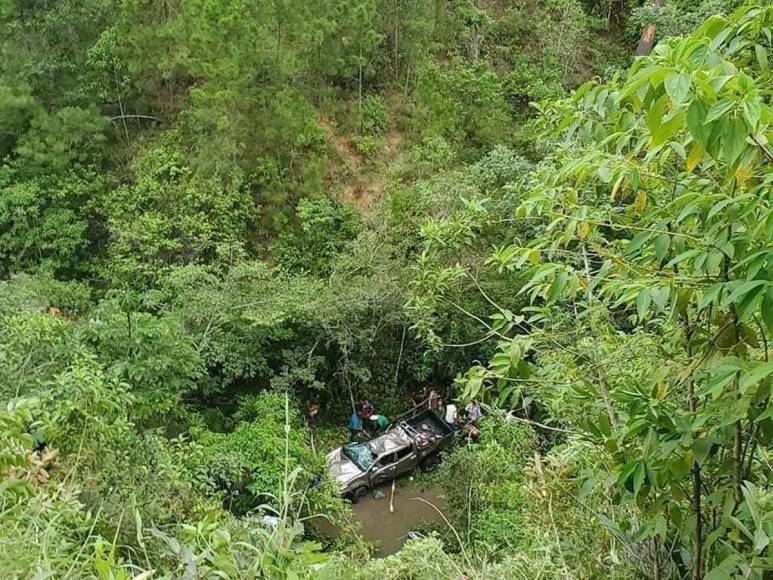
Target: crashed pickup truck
415, 441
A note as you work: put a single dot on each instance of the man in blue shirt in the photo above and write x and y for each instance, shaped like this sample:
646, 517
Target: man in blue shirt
355, 426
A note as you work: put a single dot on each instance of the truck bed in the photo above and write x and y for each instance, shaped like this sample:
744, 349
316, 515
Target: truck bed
428, 429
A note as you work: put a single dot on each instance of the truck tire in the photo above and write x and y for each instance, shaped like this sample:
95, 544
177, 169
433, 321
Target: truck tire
429, 463
357, 494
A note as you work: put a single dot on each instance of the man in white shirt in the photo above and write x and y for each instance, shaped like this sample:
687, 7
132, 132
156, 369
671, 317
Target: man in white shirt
451, 414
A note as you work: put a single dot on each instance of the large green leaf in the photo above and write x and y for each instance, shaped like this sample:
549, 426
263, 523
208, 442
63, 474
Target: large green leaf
678, 86
696, 115
759, 373
735, 141
767, 308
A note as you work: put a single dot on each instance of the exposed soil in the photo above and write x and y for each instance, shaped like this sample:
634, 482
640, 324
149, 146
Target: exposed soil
362, 182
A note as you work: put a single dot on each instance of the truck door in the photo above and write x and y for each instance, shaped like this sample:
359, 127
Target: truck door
391, 465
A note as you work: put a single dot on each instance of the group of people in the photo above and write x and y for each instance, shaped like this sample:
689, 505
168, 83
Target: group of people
366, 412
449, 412
365, 420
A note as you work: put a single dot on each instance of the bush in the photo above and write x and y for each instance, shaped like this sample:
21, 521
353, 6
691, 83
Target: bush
366, 146
465, 104
375, 116
149, 353
325, 227
431, 155
251, 463
483, 484
499, 167
511, 504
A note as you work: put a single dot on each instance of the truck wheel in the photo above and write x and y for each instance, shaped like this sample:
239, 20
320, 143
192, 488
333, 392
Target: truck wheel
429, 463
357, 494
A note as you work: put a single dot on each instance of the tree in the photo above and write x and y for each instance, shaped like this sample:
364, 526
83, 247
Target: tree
45, 189
465, 103
657, 217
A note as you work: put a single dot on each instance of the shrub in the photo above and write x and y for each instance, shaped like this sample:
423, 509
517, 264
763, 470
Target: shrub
483, 483
366, 146
325, 227
375, 117
430, 155
251, 463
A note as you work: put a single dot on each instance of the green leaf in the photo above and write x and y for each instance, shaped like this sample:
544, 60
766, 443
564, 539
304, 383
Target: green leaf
678, 86
751, 112
662, 243
718, 207
605, 174
717, 132
759, 373
558, 284
718, 574
721, 377
694, 156
660, 297
767, 309
719, 109
711, 295
739, 292
637, 242
638, 477
735, 141
678, 149
741, 526
655, 116
700, 449
761, 540
667, 128
679, 258
696, 114
643, 303
762, 56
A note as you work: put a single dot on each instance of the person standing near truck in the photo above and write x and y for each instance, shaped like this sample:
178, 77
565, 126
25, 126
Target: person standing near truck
380, 422
355, 426
473, 411
452, 415
312, 409
418, 399
433, 401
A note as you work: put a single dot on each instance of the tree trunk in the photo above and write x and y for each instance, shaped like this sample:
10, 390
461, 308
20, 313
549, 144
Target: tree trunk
397, 38
647, 38
692, 402
738, 463
359, 91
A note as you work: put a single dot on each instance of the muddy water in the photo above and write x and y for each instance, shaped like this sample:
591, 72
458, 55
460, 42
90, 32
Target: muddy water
387, 530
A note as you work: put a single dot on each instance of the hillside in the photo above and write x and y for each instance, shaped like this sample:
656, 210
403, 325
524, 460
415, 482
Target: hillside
234, 235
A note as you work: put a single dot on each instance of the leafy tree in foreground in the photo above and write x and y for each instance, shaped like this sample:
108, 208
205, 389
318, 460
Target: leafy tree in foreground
657, 222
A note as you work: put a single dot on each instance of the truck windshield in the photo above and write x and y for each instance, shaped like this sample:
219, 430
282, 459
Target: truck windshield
360, 454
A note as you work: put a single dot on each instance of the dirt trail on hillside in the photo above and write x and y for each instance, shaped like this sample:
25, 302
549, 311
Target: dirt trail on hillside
361, 182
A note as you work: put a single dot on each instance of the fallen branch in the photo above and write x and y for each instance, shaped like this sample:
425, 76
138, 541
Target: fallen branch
467, 560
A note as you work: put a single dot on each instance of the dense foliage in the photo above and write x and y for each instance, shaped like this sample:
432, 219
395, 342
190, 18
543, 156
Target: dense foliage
214, 212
